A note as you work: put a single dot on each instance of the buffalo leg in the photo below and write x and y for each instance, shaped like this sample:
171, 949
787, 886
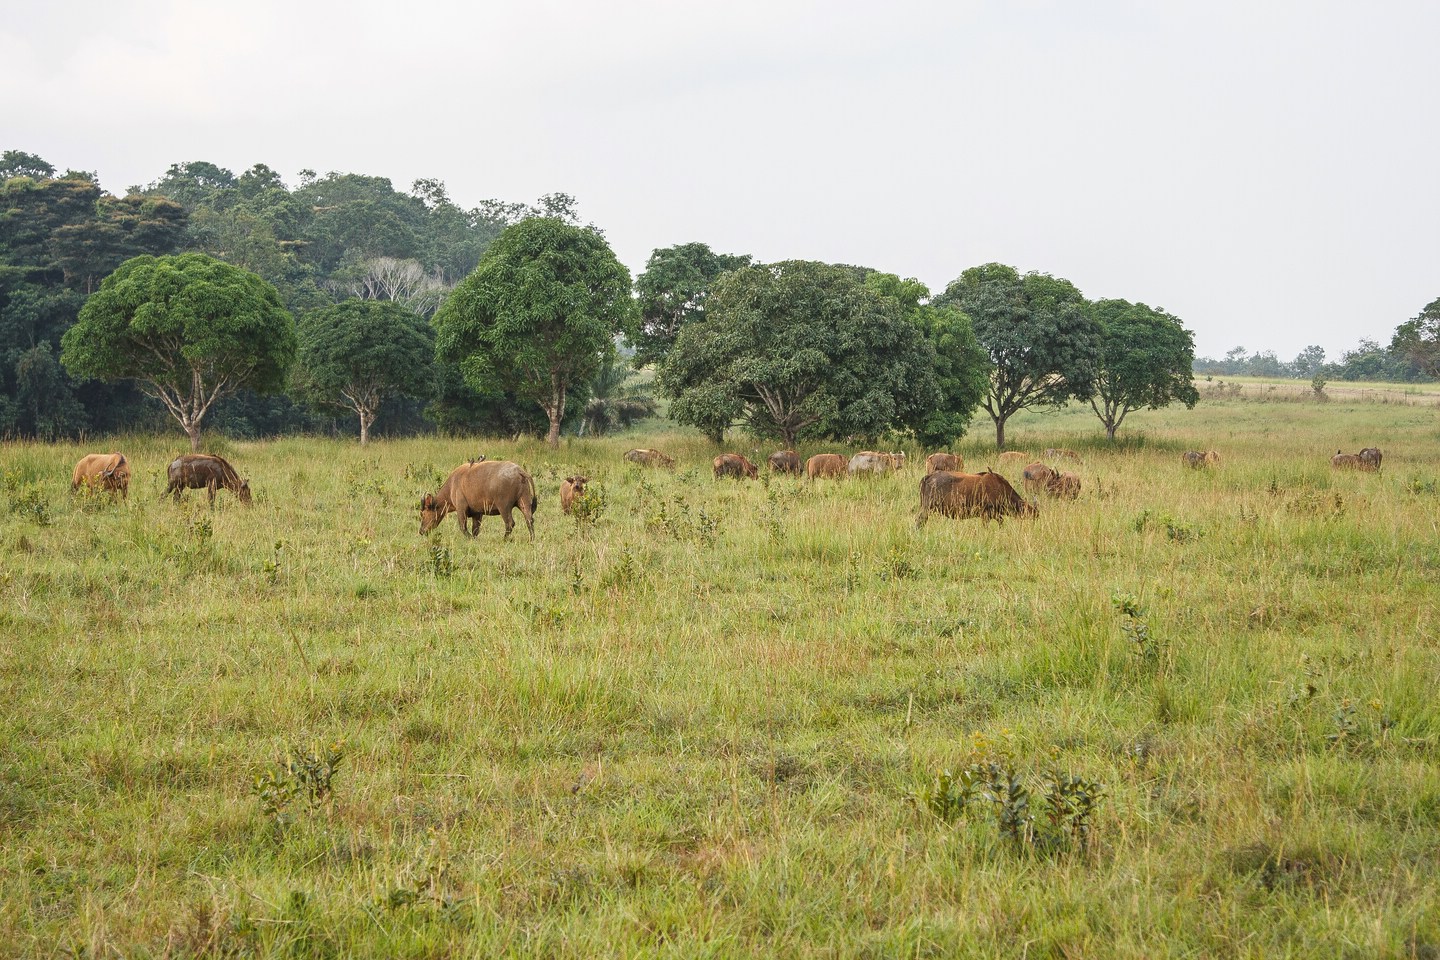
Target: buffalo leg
508, 515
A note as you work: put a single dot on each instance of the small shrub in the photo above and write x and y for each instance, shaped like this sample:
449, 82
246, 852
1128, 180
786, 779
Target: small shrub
302, 781
30, 503
440, 561
1135, 628
590, 506
271, 567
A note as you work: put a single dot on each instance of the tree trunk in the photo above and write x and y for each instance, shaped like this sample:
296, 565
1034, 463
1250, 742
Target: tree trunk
787, 437
1000, 434
716, 437
192, 430
555, 409
1110, 428
367, 417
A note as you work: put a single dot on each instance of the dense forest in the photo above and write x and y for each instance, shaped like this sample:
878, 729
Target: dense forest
880, 355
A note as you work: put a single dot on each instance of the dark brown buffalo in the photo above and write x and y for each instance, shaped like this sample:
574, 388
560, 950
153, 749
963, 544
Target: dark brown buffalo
1036, 475
1196, 460
734, 465
572, 489
195, 471
103, 471
1371, 455
944, 461
1064, 486
831, 465
487, 489
649, 458
785, 461
960, 495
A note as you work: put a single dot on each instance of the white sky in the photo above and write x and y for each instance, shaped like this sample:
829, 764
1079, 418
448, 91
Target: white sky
1268, 171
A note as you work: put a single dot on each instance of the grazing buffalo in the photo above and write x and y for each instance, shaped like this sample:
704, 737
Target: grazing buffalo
103, 471
1196, 460
1371, 455
960, 495
831, 465
785, 461
649, 458
1011, 456
1355, 461
735, 466
476, 490
1036, 476
1063, 486
195, 471
944, 461
872, 464
1061, 452
571, 490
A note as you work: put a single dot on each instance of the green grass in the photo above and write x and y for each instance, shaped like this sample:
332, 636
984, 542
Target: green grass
696, 728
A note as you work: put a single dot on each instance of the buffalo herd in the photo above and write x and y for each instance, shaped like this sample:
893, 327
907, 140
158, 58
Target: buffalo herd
486, 488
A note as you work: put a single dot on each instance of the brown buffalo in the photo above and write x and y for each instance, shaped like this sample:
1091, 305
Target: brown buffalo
960, 495
571, 490
1371, 455
785, 461
195, 471
487, 489
1036, 475
944, 461
1011, 456
649, 458
1196, 460
870, 463
832, 465
1353, 461
1063, 486
103, 471
1061, 452
735, 466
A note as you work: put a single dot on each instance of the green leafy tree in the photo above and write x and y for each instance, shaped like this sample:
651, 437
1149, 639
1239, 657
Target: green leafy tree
187, 329
538, 314
1037, 329
799, 348
672, 291
1146, 359
1418, 339
962, 368
359, 353
18, 163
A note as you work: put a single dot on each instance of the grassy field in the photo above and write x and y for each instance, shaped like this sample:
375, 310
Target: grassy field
1190, 714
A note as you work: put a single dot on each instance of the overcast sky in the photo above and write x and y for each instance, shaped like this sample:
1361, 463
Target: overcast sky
1270, 172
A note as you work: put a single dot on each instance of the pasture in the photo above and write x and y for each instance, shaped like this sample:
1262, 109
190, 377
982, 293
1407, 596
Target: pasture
1192, 713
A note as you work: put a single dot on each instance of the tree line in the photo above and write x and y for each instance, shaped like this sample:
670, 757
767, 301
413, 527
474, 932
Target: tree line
1400, 361
211, 298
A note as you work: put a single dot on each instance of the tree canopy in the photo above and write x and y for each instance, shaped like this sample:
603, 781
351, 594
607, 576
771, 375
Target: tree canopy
188, 329
1145, 360
1037, 329
539, 313
796, 349
962, 369
1418, 339
358, 353
671, 293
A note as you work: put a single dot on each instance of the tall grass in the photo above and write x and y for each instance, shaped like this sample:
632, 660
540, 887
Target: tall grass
697, 726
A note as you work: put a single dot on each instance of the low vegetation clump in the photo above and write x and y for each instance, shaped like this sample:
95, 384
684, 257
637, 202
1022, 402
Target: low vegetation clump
1191, 713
